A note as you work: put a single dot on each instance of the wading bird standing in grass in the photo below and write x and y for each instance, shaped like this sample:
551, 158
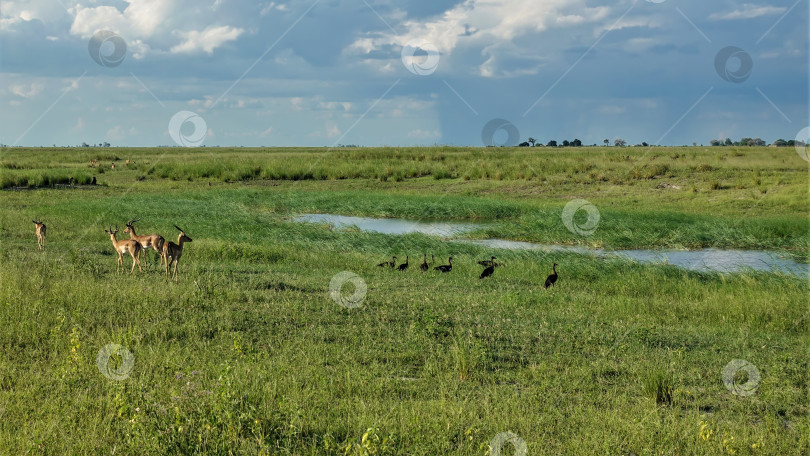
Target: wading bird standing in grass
446, 267
424, 266
489, 270
389, 264
404, 266
126, 246
154, 241
40, 229
172, 252
553, 277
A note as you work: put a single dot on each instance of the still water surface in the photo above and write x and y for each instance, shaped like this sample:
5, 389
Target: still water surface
695, 260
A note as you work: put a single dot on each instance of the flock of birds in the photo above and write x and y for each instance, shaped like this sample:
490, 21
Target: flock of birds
487, 272
169, 252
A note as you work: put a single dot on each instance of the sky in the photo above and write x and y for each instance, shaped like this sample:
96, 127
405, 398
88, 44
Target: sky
400, 73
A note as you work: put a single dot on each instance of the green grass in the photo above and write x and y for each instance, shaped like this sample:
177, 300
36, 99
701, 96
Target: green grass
247, 353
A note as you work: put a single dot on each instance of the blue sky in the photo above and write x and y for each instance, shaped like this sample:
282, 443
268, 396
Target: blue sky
380, 72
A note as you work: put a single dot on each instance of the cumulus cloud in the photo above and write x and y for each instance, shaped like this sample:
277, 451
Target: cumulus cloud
484, 24
206, 40
176, 26
748, 11
141, 18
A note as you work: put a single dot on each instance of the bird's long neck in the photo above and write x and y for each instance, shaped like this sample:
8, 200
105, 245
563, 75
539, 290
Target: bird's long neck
554, 269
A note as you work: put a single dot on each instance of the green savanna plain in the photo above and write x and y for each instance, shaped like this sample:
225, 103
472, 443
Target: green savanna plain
246, 353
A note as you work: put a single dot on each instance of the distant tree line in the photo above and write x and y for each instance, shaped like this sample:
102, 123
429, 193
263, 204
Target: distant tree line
531, 142
755, 142
618, 142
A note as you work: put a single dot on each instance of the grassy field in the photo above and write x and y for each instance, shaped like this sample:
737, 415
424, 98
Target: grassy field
247, 353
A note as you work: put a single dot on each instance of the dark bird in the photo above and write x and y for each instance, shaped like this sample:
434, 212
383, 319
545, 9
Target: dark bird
389, 264
404, 265
553, 277
446, 267
424, 266
489, 270
486, 262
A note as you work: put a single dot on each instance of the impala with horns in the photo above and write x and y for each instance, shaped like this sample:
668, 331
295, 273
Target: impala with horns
172, 252
147, 241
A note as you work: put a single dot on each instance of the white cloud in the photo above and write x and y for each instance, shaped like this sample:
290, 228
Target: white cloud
147, 25
27, 90
206, 40
273, 6
486, 23
140, 19
748, 11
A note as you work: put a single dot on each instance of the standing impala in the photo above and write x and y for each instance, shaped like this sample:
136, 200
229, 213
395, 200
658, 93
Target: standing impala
172, 252
148, 241
126, 246
40, 234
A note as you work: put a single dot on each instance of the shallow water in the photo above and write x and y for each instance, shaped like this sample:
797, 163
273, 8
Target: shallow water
390, 226
703, 260
695, 260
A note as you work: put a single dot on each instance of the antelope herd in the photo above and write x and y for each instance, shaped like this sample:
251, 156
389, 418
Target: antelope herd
168, 252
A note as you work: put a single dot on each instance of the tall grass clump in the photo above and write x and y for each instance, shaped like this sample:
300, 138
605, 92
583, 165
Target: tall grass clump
659, 384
